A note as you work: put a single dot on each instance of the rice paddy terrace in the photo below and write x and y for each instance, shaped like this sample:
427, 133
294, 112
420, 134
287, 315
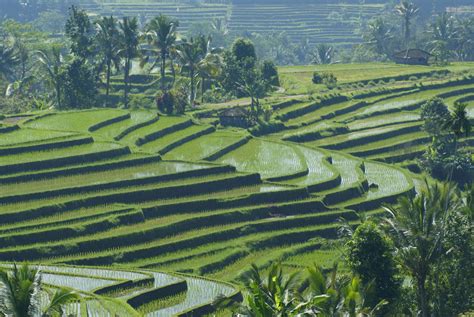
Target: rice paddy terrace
318, 21
130, 189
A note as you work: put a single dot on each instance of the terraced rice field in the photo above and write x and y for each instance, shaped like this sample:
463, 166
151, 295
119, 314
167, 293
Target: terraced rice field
139, 194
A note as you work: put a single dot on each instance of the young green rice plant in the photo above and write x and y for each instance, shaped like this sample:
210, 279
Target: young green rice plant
28, 136
79, 121
270, 159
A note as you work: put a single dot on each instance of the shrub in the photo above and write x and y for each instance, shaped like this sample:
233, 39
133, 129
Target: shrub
174, 100
140, 101
317, 78
329, 80
270, 73
435, 115
413, 78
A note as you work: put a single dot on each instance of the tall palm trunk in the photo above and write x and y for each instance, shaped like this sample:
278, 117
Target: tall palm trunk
423, 296
191, 77
126, 80
162, 70
58, 94
407, 31
202, 89
107, 83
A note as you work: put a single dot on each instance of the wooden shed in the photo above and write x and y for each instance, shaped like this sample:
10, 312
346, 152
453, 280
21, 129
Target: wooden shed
413, 56
236, 117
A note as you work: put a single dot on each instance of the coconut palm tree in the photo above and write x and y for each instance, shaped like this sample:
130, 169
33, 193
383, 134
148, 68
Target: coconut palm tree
190, 54
378, 35
8, 60
108, 42
407, 10
323, 54
443, 34
129, 49
417, 228
52, 63
20, 293
161, 34
459, 122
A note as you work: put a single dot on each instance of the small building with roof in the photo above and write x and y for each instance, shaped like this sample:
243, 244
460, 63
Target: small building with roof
235, 117
413, 56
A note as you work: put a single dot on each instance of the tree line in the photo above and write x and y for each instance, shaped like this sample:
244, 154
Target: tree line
74, 74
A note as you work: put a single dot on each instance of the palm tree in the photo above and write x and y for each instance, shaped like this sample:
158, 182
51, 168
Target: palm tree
417, 228
130, 41
161, 33
465, 38
52, 62
190, 54
108, 41
8, 60
323, 54
20, 293
443, 34
407, 10
270, 295
378, 34
459, 122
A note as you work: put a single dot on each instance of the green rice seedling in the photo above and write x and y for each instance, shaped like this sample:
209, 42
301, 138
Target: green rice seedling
79, 121
28, 136
270, 159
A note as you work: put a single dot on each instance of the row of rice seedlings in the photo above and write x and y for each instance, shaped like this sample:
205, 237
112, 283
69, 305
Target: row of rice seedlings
157, 305
377, 121
160, 143
245, 229
104, 273
361, 134
64, 218
136, 117
200, 291
150, 225
162, 123
389, 180
24, 205
417, 150
388, 142
203, 146
348, 168
25, 136
319, 169
81, 283
74, 120
108, 222
260, 156
95, 147
73, 169
128, 173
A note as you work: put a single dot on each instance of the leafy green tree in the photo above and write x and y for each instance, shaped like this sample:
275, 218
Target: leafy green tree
161, 34
52, 63
80, 32
436, 116
109, 44
369, 254
454, 273
418, 228
407, 10
79, 82
129, 49
244, 50
270, 73
20, 293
